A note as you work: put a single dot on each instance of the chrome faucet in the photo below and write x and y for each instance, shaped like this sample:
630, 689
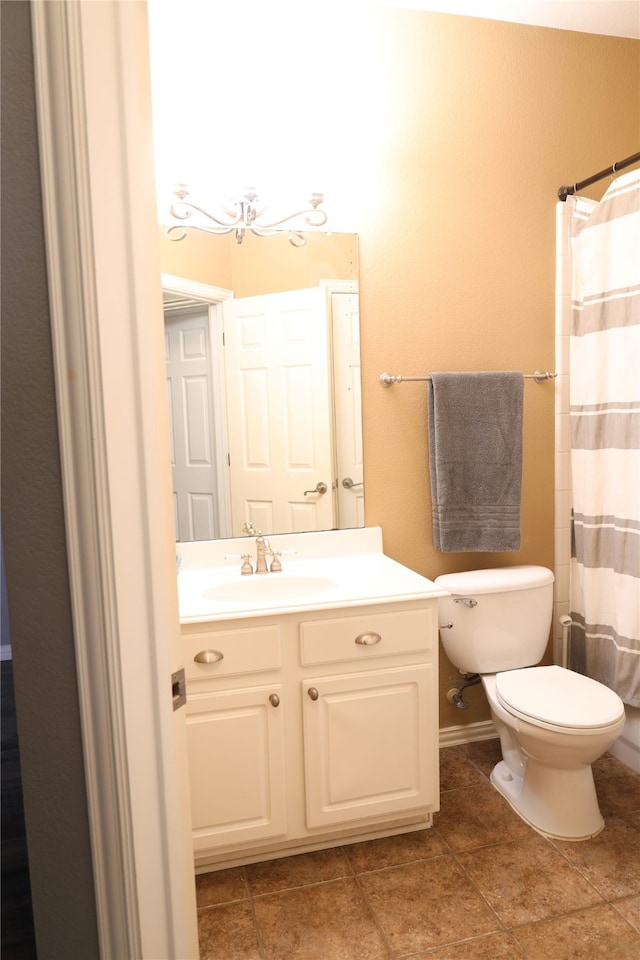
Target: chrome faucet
262, 549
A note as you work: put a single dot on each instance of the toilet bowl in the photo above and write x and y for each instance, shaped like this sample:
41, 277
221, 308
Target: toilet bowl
553, 723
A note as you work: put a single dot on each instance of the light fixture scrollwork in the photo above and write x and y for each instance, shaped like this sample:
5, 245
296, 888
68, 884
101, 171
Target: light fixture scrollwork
244, 214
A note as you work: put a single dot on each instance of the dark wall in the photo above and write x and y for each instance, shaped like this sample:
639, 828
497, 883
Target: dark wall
34, 540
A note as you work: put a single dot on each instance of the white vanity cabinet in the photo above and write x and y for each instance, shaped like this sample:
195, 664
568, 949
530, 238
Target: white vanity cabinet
312, 727
236, 760
235, 735
369, 730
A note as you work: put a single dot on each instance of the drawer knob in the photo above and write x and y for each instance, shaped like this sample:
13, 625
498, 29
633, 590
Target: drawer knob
313, 693
368, 639
274, 700
209, 656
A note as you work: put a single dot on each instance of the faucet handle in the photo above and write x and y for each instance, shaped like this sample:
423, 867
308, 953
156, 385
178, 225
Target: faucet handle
276, 566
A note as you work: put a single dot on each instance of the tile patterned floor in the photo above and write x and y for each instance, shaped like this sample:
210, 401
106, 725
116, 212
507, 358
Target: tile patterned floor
480, 885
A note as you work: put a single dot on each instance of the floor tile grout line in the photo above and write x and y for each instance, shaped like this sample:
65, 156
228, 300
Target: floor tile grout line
301, 886
297, 886
346, 876
574, 910
503, 925
578, 870
473, 763
348, 859
221, 903
570, 913
442, 838
580, 873
548, 920
612, 903
353, 876
374, 917
405, 863
262, 947
462, 940
421, 955
353, 873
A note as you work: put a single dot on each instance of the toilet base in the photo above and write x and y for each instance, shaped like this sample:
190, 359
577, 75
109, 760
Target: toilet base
560, 804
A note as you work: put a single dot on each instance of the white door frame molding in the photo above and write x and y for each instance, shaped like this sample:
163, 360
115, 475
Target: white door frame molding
94, 115
213, 297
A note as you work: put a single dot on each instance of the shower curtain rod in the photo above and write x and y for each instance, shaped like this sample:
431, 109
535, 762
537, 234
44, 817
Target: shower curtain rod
564, 192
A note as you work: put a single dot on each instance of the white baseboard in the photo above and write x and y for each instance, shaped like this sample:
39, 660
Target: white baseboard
467, 733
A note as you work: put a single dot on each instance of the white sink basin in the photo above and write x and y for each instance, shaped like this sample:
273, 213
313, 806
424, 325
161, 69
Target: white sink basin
270, 586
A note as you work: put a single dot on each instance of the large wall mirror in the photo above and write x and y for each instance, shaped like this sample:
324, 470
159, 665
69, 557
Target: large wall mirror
263, 378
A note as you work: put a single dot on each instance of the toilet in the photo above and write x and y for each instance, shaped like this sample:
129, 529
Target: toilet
552, 723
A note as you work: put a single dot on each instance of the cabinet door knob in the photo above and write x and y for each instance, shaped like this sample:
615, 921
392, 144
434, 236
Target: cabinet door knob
313, 693
209, 656
368, 639
274, 700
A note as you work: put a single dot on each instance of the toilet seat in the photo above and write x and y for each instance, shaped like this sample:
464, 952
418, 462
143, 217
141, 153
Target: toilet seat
558, 699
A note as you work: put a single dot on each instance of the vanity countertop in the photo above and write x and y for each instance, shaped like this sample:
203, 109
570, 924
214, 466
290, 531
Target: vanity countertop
321, 571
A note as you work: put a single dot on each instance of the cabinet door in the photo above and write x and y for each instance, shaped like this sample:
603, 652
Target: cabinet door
370, 744
236, 766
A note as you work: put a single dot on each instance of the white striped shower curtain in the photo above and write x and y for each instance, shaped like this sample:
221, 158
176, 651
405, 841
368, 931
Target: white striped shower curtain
604, 406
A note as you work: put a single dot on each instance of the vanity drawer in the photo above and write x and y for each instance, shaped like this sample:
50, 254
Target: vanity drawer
345, 638
230, 652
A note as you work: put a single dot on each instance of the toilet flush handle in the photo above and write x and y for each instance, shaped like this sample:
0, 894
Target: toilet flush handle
467, 601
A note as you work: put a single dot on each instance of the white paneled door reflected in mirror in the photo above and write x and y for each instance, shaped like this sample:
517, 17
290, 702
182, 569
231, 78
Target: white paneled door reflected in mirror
263, 378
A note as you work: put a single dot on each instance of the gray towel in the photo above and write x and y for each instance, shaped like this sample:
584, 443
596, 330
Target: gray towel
475, 458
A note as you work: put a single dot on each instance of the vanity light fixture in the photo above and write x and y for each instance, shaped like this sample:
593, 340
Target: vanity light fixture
244, 214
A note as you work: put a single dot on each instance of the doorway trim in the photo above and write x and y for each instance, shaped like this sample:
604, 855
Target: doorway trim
196, 293
94, 126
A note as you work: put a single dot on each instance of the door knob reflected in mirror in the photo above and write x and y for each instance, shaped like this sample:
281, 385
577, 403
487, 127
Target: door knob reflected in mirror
348, 483
320, 487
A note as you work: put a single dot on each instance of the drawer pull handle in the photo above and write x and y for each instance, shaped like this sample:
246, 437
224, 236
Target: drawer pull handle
313, 693
274, 700
368, 639
209, 656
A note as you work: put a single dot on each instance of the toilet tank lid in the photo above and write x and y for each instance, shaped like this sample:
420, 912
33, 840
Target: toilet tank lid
495, 580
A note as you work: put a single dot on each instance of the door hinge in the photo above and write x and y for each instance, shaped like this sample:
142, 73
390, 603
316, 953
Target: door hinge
179, 689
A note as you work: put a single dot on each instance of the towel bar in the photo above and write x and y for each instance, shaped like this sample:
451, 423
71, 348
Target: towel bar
387, 379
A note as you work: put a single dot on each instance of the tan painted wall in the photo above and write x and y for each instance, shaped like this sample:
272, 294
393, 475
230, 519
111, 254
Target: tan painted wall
259, 266
457, 271
472, 127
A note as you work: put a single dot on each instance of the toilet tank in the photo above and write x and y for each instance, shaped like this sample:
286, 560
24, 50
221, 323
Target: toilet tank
500, 618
